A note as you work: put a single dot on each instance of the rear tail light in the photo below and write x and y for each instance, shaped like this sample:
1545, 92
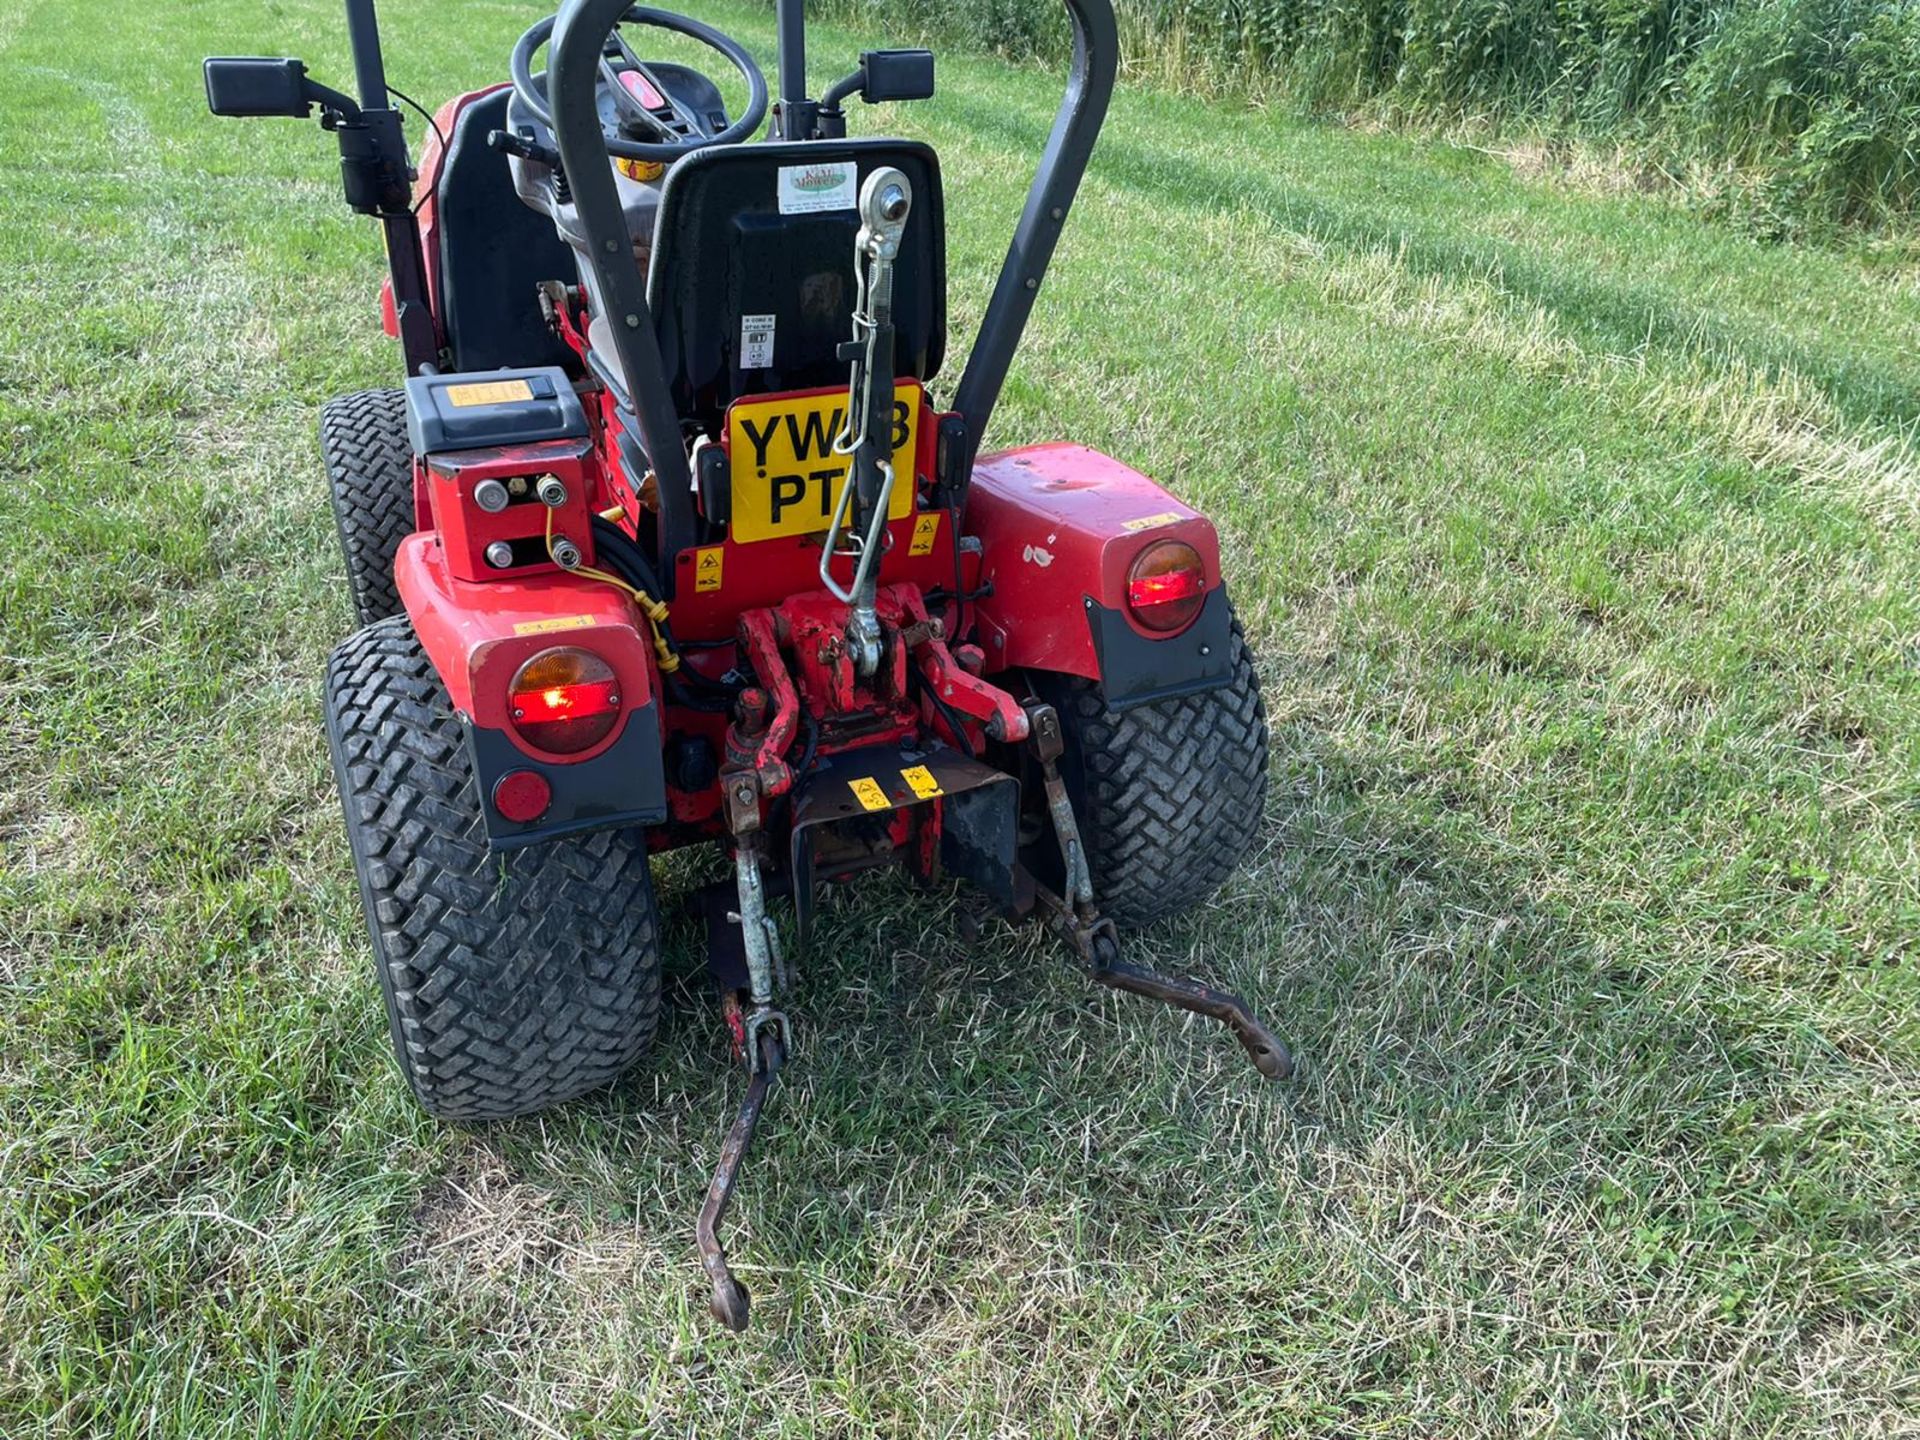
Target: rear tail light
1167, 585
564, 701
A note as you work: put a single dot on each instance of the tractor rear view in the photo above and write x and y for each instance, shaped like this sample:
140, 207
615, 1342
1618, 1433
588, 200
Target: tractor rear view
668, 540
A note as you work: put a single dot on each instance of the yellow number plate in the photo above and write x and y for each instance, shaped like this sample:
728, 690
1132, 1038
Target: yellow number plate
786, 478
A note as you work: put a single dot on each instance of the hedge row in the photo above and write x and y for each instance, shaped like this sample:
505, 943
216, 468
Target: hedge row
1809, 110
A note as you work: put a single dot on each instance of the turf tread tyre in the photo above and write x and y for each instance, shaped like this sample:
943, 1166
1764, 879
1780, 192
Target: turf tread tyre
512, 981
1169, 794
369, 459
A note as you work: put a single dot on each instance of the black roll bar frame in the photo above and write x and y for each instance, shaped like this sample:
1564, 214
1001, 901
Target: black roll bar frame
374, 158
372, 145
580, 34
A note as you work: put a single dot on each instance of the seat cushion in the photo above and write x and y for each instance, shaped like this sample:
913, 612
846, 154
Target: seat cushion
494, 251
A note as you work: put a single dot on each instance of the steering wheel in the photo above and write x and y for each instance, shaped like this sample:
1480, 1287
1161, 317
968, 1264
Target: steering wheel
688, 130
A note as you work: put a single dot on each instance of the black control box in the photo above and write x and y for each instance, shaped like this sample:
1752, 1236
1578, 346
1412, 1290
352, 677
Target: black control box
492, 407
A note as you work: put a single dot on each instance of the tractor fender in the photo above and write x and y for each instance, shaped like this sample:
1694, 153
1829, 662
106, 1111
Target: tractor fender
477, 636
1060, 526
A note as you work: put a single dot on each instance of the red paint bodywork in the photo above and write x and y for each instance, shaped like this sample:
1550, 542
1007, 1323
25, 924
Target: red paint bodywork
1053, 522
769, 571
479, 633
1047, 529
466, 530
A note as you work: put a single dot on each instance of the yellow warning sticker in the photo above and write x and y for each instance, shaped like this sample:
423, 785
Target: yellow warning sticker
922, 781
708, 565
868, 792
926, 528
557, 622
1148, 522
487, 392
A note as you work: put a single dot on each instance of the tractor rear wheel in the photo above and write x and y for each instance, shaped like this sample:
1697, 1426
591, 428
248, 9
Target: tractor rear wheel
1169, 793
513, 981
363, 439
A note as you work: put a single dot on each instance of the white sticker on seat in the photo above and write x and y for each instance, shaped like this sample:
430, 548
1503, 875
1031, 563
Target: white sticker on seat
756, 342
829, 185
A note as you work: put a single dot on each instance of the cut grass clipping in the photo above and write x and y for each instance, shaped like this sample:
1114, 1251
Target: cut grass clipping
1578, 543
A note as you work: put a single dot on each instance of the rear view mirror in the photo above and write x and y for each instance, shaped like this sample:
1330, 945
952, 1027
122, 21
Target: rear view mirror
257, 86
896, 75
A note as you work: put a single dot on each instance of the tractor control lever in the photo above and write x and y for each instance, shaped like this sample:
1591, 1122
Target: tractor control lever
859, 523
522, 144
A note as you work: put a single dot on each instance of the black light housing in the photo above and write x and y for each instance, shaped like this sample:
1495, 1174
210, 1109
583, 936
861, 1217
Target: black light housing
896, 75
248, 86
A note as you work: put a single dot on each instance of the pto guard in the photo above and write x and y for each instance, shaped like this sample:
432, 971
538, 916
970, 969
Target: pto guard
1060, 525
917, 802
477, 635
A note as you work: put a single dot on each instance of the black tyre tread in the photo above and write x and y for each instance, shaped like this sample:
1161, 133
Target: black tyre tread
513, 981
363, 440
1169, 794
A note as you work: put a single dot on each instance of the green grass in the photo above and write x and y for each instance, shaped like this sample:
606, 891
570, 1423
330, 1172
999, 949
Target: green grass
1578, 543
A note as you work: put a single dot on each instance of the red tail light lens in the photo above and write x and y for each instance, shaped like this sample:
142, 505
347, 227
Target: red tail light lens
564, 701
1167, 585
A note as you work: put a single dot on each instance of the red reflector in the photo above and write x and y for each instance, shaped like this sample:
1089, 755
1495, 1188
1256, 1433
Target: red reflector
522, 796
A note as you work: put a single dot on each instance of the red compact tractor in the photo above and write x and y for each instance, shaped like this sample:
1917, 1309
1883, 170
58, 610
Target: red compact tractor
670, 539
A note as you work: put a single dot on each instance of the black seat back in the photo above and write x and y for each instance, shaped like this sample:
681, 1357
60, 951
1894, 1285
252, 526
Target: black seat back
736, 243
494, 251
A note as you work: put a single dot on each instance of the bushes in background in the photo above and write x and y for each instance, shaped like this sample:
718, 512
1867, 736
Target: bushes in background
1821, 96
1805, 111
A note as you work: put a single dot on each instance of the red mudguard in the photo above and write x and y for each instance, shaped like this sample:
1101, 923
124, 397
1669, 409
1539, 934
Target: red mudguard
478, 634
1060, 526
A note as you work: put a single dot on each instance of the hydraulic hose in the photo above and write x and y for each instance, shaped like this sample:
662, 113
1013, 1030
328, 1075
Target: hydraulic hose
622, 554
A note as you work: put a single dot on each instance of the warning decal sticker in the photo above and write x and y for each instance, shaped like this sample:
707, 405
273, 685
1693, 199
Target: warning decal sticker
756, 341
868, 792
922, 780
708, 564
487, 392
558, 622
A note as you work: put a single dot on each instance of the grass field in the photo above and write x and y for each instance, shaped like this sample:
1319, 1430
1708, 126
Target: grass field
1580, 544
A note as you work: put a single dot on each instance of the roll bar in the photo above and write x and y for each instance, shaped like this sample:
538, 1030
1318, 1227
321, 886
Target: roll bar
373, 149
1056, 180
580, 34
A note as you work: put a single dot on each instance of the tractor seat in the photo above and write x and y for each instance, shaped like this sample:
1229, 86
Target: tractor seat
493, 252
740, 255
